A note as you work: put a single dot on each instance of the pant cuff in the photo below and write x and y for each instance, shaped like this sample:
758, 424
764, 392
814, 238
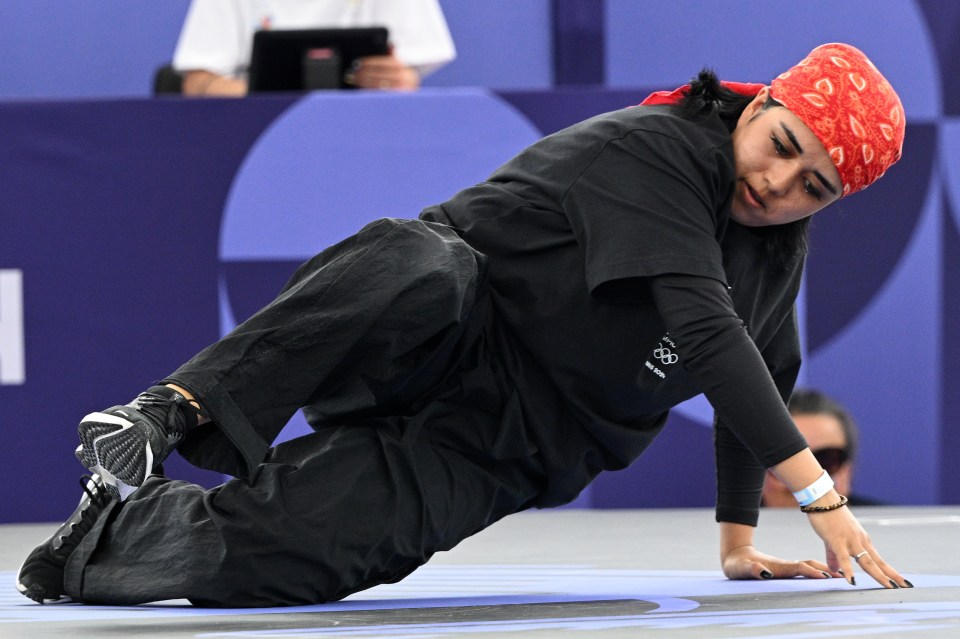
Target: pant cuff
204, 446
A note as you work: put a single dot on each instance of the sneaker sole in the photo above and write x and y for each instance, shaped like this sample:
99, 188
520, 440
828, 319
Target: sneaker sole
39, 594
113, 449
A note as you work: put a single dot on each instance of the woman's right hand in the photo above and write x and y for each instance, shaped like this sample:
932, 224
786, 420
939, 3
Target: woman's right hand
846, 541
844, 538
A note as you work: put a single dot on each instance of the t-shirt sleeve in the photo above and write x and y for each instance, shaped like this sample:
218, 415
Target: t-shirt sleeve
214, 38
419, 33
646, 205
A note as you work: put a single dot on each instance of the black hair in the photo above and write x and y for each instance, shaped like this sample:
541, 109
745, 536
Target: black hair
784, 243
706, 94
814, 402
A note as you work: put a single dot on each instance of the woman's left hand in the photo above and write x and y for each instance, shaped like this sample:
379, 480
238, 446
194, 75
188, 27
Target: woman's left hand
746, 562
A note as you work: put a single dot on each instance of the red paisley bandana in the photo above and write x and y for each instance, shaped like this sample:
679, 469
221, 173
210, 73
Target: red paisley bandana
851, 108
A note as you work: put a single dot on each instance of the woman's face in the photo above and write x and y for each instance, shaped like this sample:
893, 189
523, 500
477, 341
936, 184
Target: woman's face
783, 171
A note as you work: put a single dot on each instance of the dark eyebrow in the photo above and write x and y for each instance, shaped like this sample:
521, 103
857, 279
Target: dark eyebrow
793, 138
796, 145
824, 181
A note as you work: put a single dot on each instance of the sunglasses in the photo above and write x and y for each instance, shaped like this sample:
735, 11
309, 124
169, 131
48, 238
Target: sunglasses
831, 459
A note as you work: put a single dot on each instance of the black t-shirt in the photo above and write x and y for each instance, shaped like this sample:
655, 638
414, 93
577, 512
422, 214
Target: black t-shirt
607, 243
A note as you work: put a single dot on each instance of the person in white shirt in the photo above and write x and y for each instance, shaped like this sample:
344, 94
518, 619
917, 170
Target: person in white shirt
213, 50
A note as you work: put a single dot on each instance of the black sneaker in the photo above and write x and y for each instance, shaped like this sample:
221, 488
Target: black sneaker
125, 444
41, 575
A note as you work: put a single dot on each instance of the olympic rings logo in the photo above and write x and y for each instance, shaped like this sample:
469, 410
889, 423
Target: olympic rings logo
664, 354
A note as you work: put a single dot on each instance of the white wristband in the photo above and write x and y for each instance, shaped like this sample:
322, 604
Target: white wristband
814, 491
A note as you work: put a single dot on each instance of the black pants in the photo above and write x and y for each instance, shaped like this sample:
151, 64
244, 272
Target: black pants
384, 338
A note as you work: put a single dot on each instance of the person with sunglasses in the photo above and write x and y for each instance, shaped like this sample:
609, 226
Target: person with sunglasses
832, 435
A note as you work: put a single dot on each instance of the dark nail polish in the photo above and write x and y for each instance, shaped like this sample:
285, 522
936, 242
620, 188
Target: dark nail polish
853, 581
766, 574
909, 585
825, 574
894, 584
841, 571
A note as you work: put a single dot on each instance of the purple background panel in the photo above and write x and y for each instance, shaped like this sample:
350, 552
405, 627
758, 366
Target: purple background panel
857, 243
107, 212
51, 48
949, 445
551, 111
885, 365
949, 442
334, 161
665, 43
677, 471
942, 20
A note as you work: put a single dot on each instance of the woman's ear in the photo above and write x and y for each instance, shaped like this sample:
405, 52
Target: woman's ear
755, 106
760, 99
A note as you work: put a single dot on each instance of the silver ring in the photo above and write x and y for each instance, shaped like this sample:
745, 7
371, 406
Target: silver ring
860, 554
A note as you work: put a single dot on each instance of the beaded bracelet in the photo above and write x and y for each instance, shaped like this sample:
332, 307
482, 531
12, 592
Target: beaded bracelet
824, 509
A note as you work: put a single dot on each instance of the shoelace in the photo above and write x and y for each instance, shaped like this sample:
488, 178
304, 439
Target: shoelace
98, 498
164, 410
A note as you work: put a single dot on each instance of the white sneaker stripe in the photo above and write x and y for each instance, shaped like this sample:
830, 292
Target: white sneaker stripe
105, 418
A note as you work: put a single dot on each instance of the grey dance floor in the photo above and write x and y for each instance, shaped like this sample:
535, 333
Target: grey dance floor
573, 573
